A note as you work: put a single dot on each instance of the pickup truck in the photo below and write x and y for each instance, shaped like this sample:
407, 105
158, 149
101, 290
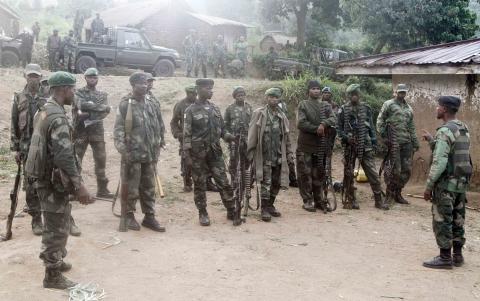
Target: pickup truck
9, 51
128, 47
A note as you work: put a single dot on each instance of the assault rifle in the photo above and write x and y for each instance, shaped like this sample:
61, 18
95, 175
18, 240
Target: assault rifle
388, 163
241, 182
123, 227
13, 205
348, 189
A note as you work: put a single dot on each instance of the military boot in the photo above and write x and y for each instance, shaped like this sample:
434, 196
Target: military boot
271, 208
102, 190
74, 229
399, 198
65, 267
55, 279
355, 204
187, 184
444, 261
380, 201
230, 214
132, 223
265, 214
457, 257
203, 217
309, 206
151, 222
211, 186
37, 225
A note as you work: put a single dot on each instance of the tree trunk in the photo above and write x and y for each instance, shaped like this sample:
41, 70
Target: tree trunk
301, 16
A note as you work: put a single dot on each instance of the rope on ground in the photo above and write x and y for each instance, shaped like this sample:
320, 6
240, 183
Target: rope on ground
86, 292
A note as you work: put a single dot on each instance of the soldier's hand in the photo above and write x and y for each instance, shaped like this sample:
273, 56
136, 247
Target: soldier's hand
188, 159
321, 130
83, 196
427, 195
427, 136
18, 157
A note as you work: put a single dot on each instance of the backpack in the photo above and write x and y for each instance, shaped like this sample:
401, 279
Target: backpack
460, 159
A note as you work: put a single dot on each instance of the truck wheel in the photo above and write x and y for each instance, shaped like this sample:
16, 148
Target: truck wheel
10, 59
164, 68
84, 62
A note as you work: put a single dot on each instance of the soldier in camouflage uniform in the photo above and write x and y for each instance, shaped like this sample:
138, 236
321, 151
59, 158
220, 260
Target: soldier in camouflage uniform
219, 56
176, 126
314, 118
88, 111
97, 26
447, 183
78, 25
189, 48
54, 43
269, 148
201, 56
151, 96
357, 133
241, 52
398, 114
25, 104
203, 128
237, 120
51, 167
69, 48
140, 150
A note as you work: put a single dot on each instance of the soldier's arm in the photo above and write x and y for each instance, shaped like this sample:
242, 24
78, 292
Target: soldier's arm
340, 129
253, 135
381, 120
440, 156
187, 130
371, 129
331, 120
288, 143
303, 124
14, 132
162, 126
226, 135
175, 122
413, 133
228, 121
119, 129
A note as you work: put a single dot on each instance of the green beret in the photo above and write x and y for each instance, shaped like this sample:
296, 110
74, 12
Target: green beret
149, 76
274, 92
203, 82
191, 88
61, 78
353, 88
138, 78
91, 72
238, 89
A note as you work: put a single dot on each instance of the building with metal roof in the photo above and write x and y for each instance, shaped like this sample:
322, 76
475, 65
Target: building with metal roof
9, 20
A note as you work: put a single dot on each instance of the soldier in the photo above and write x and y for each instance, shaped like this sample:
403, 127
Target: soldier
51, 166
151, 96
447, 183
203, 128
237, 120
176, 126
220, 56
189, 48
69, 48
140, 150
271, 57
97, 26
327, 96
201, 56
314, 118
398, 114
356, 131
241, 51
78, 25
26, 47
269, 148
36, 31
331, 132
53, 46
25, 104
89, 109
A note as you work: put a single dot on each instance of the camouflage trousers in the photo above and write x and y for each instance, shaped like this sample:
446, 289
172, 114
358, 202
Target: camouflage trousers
185, 170
53, 57
56, 227
402, 169
141, 185
189, 63
368, 165
31, 197
219, 67
207, 161
201, 63
270, 184
234, 160
99, 157
448, 210
310, 177
69, 60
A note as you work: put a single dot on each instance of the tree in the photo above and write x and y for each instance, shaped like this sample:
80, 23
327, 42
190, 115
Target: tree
396, 25
274, 10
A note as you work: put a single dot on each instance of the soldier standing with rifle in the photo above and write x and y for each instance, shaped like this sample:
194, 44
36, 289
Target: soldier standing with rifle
189, 49
51, 167
88, 111
396, 118
26, 103
69, 48
203, 128
356, 131
447, 183
219, 56
201, 56
137, 137
53, 46
314, 118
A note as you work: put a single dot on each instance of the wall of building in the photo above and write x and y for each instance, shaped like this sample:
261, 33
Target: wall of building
6, 24
424, 89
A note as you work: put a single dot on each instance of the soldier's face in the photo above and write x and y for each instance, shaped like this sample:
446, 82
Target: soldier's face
69, 95
140, 88
272, 101
92, 81
33, 81
191, 95
205, 92
401, 95
354, 98
327, 96
440, 112
240, 97
314, 92
149, 85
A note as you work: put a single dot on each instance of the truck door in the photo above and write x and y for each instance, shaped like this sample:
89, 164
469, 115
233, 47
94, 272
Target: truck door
133, 50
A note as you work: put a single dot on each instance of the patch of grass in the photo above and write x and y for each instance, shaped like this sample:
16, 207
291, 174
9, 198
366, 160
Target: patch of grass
8, 167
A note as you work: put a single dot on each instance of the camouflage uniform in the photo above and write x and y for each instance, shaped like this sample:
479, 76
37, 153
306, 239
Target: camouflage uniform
271, 57
220, 57
26, 47
201, 57
310, 115
36, 31
69, 49
97, 26
399, 114
53, 46
242, 52
90, 131
291, 164
189, 48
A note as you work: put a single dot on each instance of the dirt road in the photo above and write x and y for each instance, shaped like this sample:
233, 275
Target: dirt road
346, 255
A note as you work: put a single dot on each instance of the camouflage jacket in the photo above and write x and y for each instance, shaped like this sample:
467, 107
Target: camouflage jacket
162, 124
94, 103
219, 50
347, 121
241, 49
54, 42
203, 127
143, 144
189, 46
97, 25
69, 44
176, 125
201, 50
23, 111
400, 115
237, 118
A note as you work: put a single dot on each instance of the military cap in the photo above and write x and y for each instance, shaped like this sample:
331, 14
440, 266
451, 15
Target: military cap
61, 78
313, 84
353, 88
91, 72
274, 92
450, 102
238, 89
138, 77
33, 69
327, 90
203, 82
402, 88
149, 76
190, 88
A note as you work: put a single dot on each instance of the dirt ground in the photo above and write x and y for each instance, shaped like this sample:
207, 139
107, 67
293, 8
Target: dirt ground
347, 255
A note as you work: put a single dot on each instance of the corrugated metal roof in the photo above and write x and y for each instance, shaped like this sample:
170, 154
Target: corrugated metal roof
461, 52
217, 21
5, 7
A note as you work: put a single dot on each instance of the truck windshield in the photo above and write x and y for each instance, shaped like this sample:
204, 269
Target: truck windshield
135, 40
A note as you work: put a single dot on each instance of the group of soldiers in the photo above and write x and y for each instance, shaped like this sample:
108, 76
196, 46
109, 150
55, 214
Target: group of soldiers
196, 50
51, 151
